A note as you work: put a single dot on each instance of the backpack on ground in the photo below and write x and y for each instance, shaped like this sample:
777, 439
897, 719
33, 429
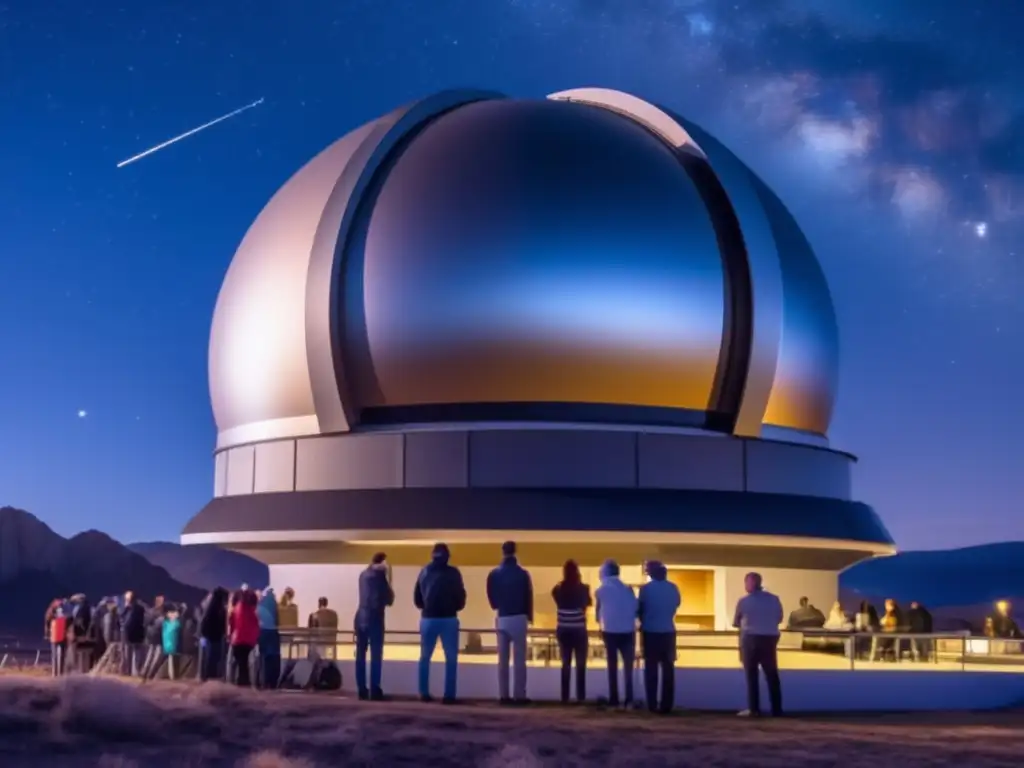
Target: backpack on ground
328, 677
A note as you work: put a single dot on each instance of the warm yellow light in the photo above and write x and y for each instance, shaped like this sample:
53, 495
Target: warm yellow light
1002, 606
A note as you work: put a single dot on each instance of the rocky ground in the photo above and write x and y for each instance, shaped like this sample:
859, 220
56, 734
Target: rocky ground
80, 721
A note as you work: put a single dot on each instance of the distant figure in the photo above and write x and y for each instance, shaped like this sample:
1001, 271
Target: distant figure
287, 610
572, 598
213, 629
806, 616
170, 642
919, 622
154, 637
133, 634
758, 617
890, 623
837, 620
659, 601
55, 630
325, 621
80, 640
867, 618
617, 610
270, 640
244, 628
510, 593
375, 597
1003, 624
440, 595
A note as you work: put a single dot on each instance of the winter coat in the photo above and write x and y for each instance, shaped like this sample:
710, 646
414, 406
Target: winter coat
510, 590
440, 592
214, 622
375, 596
243, 623
170, 633
133, 623
266, 611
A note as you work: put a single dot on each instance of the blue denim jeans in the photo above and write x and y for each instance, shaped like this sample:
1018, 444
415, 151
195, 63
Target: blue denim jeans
369, 637
269, 658
447, 631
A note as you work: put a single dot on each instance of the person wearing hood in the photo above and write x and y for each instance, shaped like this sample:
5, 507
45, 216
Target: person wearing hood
617, 609
375, 597
154, 636
659, 601
213, 629
440, 595
133, 634
244, 627
758, 618
510, 593
269, 640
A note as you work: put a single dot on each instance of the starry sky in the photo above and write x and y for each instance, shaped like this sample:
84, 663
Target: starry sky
893, 130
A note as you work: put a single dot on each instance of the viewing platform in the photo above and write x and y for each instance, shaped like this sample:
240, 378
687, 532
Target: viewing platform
821, 671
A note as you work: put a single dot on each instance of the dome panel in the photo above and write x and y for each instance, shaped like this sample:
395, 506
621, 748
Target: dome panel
259, 374
807, 374
535, 251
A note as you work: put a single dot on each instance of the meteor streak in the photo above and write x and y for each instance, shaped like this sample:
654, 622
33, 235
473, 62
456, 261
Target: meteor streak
185, 135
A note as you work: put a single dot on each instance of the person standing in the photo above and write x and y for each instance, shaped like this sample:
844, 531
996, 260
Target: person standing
270, 640
325, 621
758, 618
56, 631
659, 602
572, 598
617, 610
510, 593
375, 597
440, 595
133, 634
244, 628
213, 628
154, 637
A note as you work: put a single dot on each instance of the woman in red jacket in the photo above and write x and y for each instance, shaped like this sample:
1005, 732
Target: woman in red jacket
244, 630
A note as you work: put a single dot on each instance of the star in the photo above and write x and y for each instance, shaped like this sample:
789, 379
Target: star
981, 229
82, 413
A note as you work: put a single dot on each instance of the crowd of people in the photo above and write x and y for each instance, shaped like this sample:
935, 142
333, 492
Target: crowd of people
916, 620
621, 612
220, 635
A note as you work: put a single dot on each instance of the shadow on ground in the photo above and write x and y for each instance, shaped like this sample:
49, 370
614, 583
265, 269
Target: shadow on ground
81, 721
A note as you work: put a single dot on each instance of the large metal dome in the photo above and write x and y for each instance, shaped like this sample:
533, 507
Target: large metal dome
588, 257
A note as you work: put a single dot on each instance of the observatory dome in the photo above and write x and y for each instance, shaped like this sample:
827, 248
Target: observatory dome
588, 257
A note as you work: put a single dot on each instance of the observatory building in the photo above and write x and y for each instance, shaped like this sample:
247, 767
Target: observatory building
577, 322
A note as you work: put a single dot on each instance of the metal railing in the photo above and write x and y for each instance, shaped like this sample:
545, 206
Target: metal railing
859, 649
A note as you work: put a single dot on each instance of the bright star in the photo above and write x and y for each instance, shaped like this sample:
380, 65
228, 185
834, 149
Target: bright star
981, 229
82, 414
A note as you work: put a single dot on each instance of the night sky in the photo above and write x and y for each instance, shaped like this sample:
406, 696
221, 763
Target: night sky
893, 129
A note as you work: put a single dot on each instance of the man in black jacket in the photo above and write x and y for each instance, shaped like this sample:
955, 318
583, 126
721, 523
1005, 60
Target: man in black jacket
154, 637
133, 634
213, 630
440, 595
375, 596
510, 593
919, 622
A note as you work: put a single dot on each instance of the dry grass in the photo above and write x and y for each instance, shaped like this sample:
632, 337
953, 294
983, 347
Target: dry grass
81, 721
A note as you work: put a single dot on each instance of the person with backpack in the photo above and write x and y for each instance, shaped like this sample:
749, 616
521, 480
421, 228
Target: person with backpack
55, 631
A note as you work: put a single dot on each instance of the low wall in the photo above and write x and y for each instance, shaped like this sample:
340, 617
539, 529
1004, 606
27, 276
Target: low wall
916, 689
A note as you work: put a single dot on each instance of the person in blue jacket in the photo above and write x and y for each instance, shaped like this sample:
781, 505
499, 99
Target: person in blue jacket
269, 673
